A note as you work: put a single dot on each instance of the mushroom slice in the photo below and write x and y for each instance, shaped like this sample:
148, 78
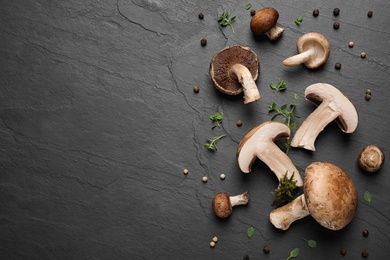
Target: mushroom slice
259, 142
332, 105
233, 70
223, 203
313, 49
330, 197
264, 22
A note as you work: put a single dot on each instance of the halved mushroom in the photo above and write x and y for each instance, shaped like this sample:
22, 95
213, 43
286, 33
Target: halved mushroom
371, 158
313, 49
234, 69
330, 197
264, 22
259, 143
332, 105
223, 203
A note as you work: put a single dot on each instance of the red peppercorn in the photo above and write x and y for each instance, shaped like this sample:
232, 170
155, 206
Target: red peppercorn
316, 12
365, 232
343, 251
203, 42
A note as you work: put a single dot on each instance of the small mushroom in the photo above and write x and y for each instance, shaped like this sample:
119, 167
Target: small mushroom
264, 22
313, 49
223, 204
332, 105
330, 197
371, 158
233, 70
259, 142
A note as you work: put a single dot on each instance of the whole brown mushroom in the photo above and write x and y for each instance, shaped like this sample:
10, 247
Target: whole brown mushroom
223, 203
371, 158
264, 22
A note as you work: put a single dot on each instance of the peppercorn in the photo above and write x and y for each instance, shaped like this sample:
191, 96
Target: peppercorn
343, 251
246, 257
367, 97
185, 171
369, 14
205, 179
222, 176
253, 12
365, 233
363, 55
200, 16
336, 25
196, 89
266, 249
368, 91
336, 12
365, 253
239, 122
212, 244
337, 66
203, 42
316, 12
351, 44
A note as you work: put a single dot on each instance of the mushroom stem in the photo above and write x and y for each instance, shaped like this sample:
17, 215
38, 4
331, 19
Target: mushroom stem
300, 58
282, 217
274, 33
241, 199
244, 76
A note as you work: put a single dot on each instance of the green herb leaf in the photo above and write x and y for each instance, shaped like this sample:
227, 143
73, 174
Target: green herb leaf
311, 243
367, 196
218, 117
224, 20
299, 20
294, 253
282, 85
247, 6
285, 191
212, 145
250, 232
296, 96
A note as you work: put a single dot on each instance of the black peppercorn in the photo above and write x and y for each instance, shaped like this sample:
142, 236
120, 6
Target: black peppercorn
196, 89
246, 257
200, 16
365, 232
367, 97
316, 12
266, 249
336, 25
336, 12
365, 253
253, 12
203, 42
369, 14
337, 66
343, 251
239, 122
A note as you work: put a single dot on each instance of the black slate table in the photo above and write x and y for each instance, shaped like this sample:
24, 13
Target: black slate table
99, 119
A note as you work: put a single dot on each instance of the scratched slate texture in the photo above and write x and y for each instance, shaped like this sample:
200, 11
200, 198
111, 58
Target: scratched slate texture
99, 119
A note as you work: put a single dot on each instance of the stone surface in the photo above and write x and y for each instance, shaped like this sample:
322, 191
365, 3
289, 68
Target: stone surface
99, 119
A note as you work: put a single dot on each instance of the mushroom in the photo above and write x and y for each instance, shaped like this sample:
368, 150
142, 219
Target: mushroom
332, 105
264, 22
233, 70
259, 142
371, 158
223, 204
330, 197
313, 49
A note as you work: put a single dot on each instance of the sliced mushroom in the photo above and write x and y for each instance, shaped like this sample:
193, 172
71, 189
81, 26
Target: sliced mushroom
332, 105
223, 203
371, 158
313, 49
330, 197
264, 22
259, 143
233, 70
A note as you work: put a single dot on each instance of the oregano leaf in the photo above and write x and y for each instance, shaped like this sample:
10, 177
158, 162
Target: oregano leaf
294, 253
250, 232
367, 196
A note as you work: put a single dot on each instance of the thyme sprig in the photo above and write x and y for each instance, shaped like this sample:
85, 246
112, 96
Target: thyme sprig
224, 20
212, 143
285, 192
218, 118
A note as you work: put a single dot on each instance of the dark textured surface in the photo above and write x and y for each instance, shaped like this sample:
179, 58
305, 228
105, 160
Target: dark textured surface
99, 119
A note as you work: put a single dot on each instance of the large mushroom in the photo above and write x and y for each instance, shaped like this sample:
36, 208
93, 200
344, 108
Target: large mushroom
223, 204
259, 143
233, 70
264, 22
313, 49
330, 197
332, 105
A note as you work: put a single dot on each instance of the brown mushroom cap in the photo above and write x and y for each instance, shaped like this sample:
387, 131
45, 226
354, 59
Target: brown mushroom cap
321, 46
222, 62
264, 20
371, 158
330, 195
221, 205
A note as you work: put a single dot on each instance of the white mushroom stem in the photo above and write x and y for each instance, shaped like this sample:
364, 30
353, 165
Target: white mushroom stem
300, 58
282, 217
274, 33
244, 76
241, 199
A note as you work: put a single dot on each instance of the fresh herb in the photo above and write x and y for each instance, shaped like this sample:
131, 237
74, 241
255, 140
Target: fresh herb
299, 20
212, 145
285, 191
367, 196
280, 87
311, 243
224, 20
250, 232
217, 117
294, 253
248, 6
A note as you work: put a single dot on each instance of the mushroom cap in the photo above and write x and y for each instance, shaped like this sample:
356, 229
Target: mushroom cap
323, 92
222, 62
221, 205
371, 158
321, 46
330, 195
264, 20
